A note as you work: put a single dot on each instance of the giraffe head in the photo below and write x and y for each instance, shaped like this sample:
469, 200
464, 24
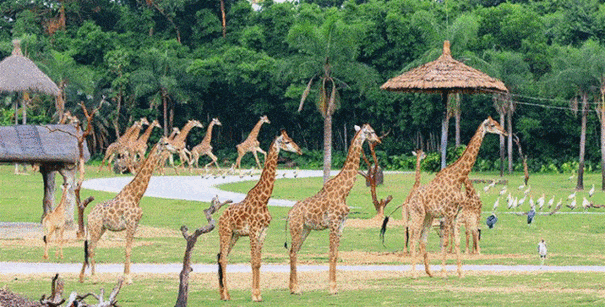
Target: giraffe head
175, 131
265, 119
419, 154
492, 126
195, 123
155, 123
143, 121
286, 143
215, 121
164, 145
367, 133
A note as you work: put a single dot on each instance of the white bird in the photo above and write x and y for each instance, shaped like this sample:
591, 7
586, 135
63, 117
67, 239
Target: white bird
559, 204
509, 203
541, 201
585, 203
532, 203
551, 201
496, 204
489, 186
591, 192
572, 195
572, 205
528, 189
521, 187
522, 200
503, 191
571, 177
542, 250
515, 203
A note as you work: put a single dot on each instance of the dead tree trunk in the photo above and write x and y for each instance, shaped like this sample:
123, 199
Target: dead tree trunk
191, 239
371, 177
524, 157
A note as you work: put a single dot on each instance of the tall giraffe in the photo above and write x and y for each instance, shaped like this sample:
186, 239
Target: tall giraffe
251, 144
119, 146
442, 198
405, 210
251, 218
122, 212
205, 148
179, 143
139, 146
327, 209
54, 223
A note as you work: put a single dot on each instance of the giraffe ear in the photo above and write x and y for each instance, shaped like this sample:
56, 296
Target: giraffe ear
357, 128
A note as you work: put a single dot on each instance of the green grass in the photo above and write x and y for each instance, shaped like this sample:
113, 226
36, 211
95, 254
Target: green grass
573, 239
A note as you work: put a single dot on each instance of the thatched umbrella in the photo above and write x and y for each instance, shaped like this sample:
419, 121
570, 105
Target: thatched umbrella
20, 74
445, 75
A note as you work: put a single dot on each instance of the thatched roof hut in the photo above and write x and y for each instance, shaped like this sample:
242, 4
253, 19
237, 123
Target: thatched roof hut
40, 144
445, 74
20, 74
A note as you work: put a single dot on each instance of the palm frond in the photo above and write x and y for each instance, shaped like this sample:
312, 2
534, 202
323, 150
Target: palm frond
305, 94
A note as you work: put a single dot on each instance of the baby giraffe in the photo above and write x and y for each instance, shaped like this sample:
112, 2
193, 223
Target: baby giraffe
54, 223
251, 218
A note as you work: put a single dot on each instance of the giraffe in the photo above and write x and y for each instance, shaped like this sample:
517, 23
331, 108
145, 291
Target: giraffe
470, 217
442, 198
327, 209
204, 148
251, 218
251, 143
405, 210
119, 146
122, 212
139, 146
54, 223
179, 143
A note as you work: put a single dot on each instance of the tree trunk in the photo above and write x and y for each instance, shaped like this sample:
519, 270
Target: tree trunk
509, 117
164, 104
602, 118
444, 129
501, 145
457, 114
327, 147
223, 19
580, 184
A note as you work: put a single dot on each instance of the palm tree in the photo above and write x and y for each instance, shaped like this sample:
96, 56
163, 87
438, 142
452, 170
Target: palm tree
327, 56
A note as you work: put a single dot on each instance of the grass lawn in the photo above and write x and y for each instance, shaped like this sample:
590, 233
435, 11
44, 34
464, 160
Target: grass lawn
573, 239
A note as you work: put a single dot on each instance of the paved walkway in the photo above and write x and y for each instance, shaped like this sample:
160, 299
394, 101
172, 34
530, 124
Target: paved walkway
147, 268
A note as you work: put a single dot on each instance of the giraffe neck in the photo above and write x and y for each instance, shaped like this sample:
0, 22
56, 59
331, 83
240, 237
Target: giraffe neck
145, 136
264, 187
346, 177
254, 133
61, 206
418, 174
208, 136
463, 166
138, 185
183, 136
129, 133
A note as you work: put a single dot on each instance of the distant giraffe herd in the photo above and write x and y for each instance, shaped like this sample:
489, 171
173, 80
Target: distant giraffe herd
450, 196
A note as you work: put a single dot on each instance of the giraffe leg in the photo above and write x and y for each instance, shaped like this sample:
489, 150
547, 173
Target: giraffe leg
227, 241
214, 160
458, 261
445, 241
61, 241
46, 238
467, 233
299, 234
90, 245
423, 241
477, 248
256, 158
334, 243
415, 239
129, 238
240, 154
256, 245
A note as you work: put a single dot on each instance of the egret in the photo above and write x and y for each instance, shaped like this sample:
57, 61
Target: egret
532, 203
515, 203
491, 221
496, 204
559, 204
572, 205
509, 202
551, 201
530, 215
489, 186
503, 191
528, 189
541, 201
542, 250
572, 195
585, 203
571, 177
521, 187
522, 200
591, 192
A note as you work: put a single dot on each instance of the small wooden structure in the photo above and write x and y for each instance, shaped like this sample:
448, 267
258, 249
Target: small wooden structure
54, 148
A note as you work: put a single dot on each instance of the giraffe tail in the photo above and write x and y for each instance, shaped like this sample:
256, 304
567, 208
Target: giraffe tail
220, 270
86, 252
383, 229
44, 239
286, 233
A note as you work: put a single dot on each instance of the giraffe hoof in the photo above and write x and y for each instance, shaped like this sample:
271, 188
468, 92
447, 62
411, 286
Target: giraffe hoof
127, 279
257, 298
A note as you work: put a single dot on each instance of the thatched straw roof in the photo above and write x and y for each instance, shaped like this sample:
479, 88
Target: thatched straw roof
40, 144
444, 75
20, 74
